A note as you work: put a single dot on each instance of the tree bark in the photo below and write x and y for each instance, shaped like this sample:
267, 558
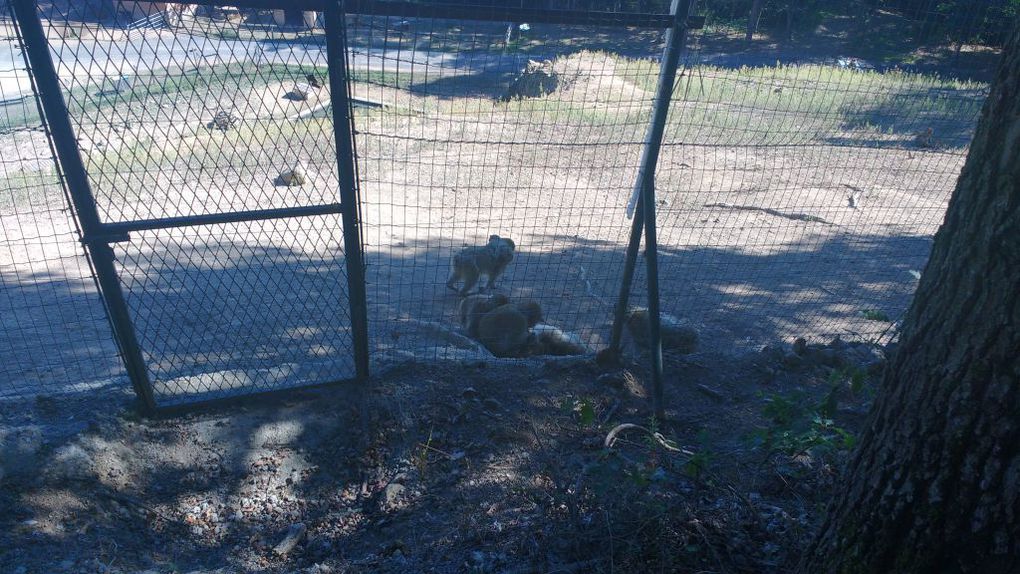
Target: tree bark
934, 485
753, 17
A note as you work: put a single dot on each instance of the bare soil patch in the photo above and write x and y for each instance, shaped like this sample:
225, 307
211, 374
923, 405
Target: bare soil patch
455, 467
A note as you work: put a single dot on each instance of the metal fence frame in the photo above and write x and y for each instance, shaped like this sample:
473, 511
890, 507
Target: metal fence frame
97, 236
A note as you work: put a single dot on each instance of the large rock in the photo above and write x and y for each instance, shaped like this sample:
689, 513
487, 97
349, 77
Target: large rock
537, 80
295, 176
224, 120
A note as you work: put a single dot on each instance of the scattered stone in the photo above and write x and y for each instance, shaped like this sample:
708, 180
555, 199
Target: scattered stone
295, 176
492, 404
469, 393
294, 535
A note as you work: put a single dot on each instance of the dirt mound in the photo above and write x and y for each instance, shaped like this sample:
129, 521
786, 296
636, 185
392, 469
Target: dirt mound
589, 77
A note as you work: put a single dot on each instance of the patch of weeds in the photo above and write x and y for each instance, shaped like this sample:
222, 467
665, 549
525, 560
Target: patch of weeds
581, 410
420, 456
842, 381
875, 315
798, 427
698, 464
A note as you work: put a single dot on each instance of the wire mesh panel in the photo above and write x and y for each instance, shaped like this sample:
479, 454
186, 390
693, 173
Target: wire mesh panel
230, 309
207, 138
801, 181
196, 110
473, 128
54, 337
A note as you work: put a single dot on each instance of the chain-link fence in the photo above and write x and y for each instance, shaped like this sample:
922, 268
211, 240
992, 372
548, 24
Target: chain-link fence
55, 338
802, 174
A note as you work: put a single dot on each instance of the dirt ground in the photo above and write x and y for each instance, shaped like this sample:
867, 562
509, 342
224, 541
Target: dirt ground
764, 235
452, 467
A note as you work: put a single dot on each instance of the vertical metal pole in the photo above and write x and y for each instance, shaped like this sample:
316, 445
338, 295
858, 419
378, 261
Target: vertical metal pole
644, 215
343, 132
62, 134
633, 246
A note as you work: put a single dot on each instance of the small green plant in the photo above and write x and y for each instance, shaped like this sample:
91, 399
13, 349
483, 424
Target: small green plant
875, 315
797, 429
420, 456
583, 409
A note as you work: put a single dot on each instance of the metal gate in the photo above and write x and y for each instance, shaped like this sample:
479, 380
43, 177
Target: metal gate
224, 230
226, 269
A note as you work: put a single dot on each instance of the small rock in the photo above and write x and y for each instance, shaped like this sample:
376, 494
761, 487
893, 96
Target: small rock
393, 493
295, 176
469, 393
800, 346
492, 404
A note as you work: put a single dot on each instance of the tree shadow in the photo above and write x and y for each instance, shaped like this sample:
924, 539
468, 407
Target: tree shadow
219, 317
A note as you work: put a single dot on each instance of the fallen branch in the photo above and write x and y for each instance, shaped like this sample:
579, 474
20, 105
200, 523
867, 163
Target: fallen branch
663, 441
770, 211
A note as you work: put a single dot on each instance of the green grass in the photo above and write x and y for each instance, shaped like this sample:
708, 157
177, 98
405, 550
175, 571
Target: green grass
815, 104
772, 105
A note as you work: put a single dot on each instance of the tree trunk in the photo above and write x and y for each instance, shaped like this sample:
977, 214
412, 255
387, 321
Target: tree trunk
934, 485
753, 17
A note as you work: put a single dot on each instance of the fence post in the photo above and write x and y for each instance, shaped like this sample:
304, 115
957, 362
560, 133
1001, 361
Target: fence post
343, 132
643, 202
97, 246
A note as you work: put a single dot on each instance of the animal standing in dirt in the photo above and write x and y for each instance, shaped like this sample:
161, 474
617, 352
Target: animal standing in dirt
473, 307
314, 81
506, 330
471, 263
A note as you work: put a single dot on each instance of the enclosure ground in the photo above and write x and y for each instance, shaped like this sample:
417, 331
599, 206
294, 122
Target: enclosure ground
452, 467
